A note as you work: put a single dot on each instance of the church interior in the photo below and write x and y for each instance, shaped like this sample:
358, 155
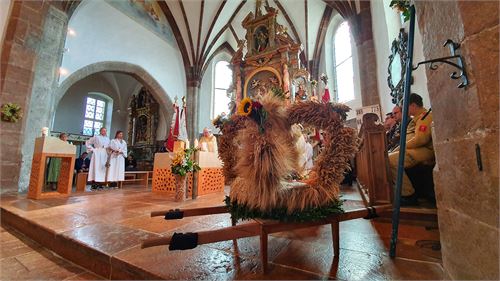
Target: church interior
249, 139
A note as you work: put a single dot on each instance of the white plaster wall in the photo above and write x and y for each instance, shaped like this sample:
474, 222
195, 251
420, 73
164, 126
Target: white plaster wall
5, 7
105, 34
385, 25
207, 93
71, 109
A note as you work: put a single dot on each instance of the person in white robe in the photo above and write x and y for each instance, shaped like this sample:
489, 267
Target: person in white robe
309, 154
118, 149
98, 145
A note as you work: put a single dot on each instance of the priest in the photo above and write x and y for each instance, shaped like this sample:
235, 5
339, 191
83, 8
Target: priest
98, 146
208, 142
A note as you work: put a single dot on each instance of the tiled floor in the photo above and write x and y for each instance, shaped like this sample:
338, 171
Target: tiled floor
23, 259
102, 232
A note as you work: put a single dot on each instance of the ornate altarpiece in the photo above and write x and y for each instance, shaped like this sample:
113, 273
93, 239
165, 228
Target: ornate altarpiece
143, 122
271, 59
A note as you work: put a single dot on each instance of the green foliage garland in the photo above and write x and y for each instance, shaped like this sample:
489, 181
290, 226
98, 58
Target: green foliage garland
243, 212
11, 112
402, 6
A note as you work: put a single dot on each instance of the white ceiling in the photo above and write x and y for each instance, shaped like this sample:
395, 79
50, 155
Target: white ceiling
187, 15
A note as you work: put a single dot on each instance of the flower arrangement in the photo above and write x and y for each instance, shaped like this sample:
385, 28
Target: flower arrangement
402, 6
219, 121
254, 110
182, 163
11, 112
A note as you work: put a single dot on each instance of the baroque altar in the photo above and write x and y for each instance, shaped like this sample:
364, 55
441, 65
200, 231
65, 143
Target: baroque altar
268, 59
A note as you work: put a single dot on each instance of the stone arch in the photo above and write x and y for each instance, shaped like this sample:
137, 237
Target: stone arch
139, 73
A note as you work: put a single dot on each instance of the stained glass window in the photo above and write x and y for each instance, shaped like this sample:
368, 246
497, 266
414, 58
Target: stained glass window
344, 73
223, 77
95, 111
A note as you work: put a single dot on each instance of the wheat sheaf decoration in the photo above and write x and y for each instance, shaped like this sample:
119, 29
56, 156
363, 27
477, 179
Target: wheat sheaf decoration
258, 156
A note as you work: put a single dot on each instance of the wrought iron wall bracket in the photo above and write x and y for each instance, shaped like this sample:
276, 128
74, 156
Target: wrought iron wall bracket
450, 60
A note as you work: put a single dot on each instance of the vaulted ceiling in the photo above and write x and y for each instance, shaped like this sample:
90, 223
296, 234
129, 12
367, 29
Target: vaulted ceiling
202, 27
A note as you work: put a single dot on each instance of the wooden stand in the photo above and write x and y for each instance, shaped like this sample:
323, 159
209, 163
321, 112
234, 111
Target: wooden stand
46, 147
262, 228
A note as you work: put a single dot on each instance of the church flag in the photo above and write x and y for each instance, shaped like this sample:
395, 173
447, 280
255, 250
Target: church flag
174, 129
326, 96
182, 126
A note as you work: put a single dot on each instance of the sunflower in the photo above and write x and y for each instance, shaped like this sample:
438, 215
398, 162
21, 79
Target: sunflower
245, 107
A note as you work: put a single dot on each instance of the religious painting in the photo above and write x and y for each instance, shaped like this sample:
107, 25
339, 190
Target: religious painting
261, 83
261, 38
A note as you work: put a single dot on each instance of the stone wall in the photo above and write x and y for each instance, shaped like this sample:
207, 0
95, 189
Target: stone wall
22, 49
467, 197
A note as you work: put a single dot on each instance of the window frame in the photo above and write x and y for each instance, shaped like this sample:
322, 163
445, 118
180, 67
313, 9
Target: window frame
215, 88
335, 65
95, 131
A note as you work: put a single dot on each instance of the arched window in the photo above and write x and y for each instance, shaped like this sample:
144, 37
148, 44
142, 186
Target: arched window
95, 112
343, 65
223, 77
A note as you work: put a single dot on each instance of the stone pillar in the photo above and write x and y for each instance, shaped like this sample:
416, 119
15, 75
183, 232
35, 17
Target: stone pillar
467, 197
193, 92
21, 53
50, 51
362, 33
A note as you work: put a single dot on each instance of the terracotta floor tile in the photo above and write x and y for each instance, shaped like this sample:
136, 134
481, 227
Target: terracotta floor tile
16, 246
156, 224
250, 247
204, 264
40, 265
85, 276
108, 238
63, 222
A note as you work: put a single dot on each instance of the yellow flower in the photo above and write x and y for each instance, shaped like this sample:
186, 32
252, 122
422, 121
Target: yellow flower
245, 107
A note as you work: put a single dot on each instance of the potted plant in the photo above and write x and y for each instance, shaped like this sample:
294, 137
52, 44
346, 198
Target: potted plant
182, 164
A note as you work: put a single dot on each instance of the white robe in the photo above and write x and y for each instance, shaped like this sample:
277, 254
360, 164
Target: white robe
97, 145
116, 170
309, 156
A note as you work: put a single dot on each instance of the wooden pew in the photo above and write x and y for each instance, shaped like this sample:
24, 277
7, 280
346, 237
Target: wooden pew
141, 177
372, 163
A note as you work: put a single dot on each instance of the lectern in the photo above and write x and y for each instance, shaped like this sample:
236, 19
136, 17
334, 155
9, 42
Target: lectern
47, 147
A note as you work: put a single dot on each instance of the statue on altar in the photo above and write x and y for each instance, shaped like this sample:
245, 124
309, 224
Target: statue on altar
261, 39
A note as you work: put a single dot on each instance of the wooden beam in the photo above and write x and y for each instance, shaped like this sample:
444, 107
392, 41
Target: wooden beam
177, 34
210, 29
320, 39
285, 14
188, 31
234, 33
195, 211
202, 11
205, 55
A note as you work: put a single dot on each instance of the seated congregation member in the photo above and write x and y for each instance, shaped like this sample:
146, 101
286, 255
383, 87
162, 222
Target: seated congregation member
208, 142
419, 149
82, 163
54, 166
118, 150
130, 163
98, 145
392, 125
164, 147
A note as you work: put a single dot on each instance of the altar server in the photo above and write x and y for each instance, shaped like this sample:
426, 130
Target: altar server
98, 146
118, 150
